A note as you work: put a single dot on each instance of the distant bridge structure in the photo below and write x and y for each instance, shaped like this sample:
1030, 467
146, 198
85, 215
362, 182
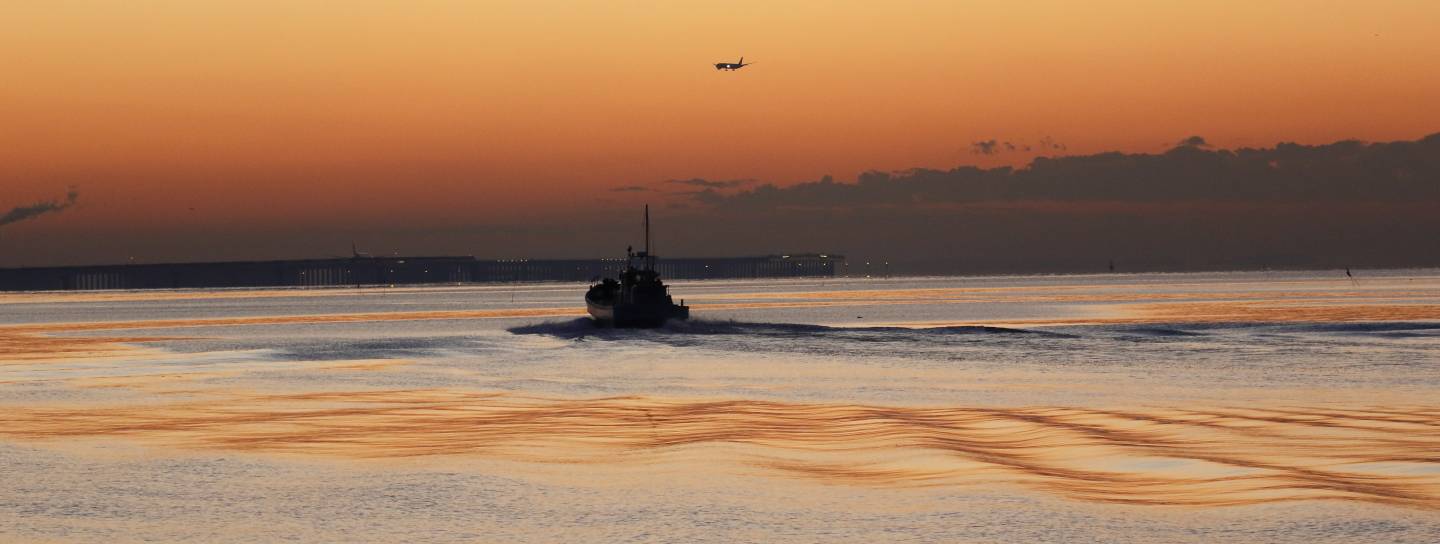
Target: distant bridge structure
367, 270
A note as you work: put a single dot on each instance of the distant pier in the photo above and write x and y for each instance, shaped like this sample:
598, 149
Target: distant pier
365, 270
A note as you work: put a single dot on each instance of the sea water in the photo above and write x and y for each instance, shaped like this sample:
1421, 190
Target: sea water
1264, 406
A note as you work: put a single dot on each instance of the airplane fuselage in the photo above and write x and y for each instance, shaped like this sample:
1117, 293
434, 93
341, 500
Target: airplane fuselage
731, 66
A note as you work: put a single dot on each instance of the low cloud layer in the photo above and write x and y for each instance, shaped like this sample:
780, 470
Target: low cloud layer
1193, 207
1193, 141
985, 147
996, 147
1348, 203
712, 183
31, 211
1348, 171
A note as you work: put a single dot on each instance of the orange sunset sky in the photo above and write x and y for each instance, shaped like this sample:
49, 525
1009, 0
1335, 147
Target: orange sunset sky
226, 114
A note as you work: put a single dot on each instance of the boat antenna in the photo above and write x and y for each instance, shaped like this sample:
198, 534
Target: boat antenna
650, 259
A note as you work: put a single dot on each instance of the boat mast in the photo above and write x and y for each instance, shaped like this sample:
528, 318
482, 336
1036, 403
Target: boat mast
648, 258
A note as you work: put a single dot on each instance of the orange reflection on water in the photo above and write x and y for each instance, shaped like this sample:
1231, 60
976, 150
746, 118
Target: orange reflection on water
292, 319
29, 348
1279, 312
1158, 456
1239, 312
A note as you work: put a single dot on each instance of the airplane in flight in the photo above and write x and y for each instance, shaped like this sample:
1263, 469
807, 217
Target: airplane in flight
731, 66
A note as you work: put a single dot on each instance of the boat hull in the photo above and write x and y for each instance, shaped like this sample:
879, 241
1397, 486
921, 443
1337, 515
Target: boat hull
600, 312
635, 315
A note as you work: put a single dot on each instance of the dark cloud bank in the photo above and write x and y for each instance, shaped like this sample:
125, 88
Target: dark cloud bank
1192, 208
712, 183
1195, 207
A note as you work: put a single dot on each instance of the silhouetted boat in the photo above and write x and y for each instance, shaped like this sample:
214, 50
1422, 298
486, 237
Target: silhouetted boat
638, 298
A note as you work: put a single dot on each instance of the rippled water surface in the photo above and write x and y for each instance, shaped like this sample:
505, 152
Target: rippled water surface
1242, 407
